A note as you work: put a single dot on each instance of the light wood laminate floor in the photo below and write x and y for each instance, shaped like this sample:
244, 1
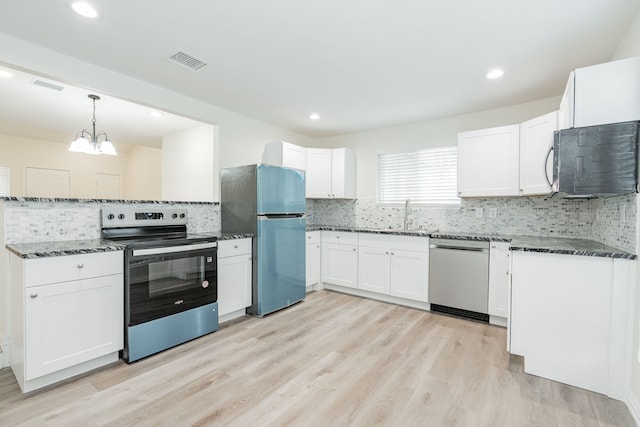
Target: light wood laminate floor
332, 360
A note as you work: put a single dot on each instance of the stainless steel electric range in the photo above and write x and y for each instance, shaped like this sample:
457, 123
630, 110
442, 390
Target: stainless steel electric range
170, 278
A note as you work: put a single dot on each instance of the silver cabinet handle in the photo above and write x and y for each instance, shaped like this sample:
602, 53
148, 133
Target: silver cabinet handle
80, 265
235, 246
493, 246
387, 253
392, 253
354, 249
34, 295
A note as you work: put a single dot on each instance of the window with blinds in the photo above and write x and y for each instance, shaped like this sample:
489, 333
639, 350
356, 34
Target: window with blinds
4, 181
428, 177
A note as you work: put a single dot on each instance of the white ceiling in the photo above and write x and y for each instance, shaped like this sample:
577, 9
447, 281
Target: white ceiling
360, 64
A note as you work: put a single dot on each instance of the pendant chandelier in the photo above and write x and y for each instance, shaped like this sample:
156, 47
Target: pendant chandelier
90, 142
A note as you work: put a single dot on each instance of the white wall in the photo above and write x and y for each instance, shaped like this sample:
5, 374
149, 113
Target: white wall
240, 138
188, 165
144, 174
426, 134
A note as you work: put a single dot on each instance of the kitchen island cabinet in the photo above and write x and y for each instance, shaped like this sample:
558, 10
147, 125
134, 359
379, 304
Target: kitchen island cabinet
234, 278
68, 316
568, 318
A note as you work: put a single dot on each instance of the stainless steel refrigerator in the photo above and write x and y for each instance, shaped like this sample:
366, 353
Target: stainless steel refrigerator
268, 201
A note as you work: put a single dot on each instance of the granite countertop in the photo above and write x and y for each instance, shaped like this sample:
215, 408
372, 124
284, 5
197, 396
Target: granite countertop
67, 247
76, 247
550, 245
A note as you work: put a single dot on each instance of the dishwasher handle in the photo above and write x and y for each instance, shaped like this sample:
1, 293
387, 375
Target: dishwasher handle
458, 248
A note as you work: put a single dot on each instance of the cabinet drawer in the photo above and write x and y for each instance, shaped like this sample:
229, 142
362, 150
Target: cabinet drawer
58, 269
340, 237
312, 237
234, 247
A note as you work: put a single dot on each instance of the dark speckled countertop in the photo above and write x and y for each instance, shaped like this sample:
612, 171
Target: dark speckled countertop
75, 247
550, 245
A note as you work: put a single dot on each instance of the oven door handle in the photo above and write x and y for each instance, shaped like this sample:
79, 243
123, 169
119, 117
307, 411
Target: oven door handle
173, 249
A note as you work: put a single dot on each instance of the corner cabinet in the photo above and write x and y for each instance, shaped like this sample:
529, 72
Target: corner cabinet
312, 257
282, 153
68, 316
488, 162
234, 278
331, 173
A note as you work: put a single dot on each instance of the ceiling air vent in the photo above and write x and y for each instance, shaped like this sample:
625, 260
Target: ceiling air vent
48, 85
187, 61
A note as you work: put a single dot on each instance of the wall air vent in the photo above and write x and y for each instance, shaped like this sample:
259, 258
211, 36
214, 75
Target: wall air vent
48, 85
187, 61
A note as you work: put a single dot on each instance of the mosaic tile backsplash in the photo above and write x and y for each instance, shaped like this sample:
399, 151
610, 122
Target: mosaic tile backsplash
597, 219
39, 221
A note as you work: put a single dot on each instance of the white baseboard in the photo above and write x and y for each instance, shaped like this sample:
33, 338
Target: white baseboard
634, 407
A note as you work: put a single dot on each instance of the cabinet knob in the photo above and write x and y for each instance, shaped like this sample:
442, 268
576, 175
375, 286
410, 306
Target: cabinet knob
493, 246
392, 253
337, 237
80, 265
354, 249
387, 253
34, 295
318, 246
235, 246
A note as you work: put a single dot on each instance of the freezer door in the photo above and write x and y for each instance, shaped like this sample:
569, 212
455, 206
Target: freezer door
280, 190
280, 277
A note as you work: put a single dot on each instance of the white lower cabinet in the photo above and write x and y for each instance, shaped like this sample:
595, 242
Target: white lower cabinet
68, 316
394, 265
234, 278
499, 280
340, 258
568, 317
312, 257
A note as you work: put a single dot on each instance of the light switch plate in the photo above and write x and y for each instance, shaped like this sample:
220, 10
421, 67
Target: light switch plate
479, 213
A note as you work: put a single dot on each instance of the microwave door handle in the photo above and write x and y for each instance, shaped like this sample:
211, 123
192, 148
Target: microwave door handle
546, 160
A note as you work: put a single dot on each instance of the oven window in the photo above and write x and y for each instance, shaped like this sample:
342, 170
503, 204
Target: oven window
175, 275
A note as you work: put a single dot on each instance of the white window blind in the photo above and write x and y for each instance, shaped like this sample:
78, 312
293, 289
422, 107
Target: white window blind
426, 177
4, 181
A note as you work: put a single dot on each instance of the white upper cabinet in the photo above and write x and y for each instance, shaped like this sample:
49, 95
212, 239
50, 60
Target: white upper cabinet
488, 162
536, 137
282, 153
331, 173
603, 93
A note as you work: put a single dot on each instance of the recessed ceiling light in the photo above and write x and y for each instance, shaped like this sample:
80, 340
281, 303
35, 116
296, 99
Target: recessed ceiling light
314, 116
5, 74
494, 74
84, 9
155, 114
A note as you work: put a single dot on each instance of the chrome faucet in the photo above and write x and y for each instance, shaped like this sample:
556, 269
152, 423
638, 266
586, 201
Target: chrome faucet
407, 213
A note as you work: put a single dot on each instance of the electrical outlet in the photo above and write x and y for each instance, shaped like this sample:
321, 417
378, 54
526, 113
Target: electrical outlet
493, 212
479, 213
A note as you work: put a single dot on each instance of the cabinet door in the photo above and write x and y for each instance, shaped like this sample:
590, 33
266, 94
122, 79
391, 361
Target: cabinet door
536, 136
234, 283
343, 173
409, 276
374, 267
318, 176
499, 279
72, 322
294, 156
313, 263
561, 317
488, 162
340, 264
565, 113
607, 93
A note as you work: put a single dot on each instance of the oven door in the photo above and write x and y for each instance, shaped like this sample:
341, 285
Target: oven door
167, 280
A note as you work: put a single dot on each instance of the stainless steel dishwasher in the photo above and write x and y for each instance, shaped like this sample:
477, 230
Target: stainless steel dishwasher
459, 277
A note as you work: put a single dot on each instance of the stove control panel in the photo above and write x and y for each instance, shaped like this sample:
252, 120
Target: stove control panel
142, 217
